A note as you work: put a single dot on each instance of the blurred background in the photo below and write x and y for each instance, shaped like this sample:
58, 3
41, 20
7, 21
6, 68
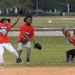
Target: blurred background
38, 7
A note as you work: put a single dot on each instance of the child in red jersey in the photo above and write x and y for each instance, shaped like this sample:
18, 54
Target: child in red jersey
71, 52
5, 27
26, 35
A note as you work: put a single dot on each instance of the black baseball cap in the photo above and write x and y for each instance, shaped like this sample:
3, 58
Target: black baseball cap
2, 20
27, 16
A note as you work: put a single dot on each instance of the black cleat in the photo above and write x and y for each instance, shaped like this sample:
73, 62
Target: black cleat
27, 60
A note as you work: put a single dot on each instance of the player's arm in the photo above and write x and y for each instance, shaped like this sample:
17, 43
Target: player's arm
32, 36
33, 40
30, 39
69, 39
16, 21
72, 37
20, 13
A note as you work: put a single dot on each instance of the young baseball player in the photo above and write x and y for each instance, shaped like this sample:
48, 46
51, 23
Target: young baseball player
71, 52
5, 27
26, 35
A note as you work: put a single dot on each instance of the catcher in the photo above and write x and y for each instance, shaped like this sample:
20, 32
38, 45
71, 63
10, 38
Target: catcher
70, 53
26, 35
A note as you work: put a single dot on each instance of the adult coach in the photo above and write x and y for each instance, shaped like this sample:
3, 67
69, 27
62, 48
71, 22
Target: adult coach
70, 53
5, 27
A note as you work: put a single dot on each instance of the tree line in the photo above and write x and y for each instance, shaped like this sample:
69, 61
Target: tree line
30, 5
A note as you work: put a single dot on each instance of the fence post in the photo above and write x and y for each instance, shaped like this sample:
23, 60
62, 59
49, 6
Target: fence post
67, 29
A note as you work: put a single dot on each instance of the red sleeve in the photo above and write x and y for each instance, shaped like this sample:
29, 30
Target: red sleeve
32, 33
73, 42
9, 26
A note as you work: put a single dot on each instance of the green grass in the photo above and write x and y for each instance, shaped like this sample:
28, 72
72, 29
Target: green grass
52, 53
42, 22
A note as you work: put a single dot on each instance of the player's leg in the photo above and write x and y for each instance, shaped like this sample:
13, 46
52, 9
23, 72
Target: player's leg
72, 53
68, 53
9, 47
1, 56
72, 58
28, 52
68, 56
20, 44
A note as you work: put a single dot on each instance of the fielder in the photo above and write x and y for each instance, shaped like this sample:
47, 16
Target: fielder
26, 35
5, 27
71, 52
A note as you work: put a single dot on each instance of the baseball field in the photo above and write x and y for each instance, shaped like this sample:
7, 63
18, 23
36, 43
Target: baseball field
43, 22
48, 61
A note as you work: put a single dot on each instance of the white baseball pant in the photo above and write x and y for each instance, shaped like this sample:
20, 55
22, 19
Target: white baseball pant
9, 47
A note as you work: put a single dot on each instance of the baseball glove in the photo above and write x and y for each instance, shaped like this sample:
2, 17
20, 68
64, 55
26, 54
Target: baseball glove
38, 46
66, 32
20, 11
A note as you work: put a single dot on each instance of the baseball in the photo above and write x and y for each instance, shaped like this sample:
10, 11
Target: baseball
49, 21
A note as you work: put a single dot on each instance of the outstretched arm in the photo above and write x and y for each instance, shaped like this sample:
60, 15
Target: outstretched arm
16, 20
20, 13
69, 39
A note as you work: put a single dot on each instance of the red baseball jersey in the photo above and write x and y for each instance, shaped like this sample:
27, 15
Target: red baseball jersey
73, 42
25, 30
4, 29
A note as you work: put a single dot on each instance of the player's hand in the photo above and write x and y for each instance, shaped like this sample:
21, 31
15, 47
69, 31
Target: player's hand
20, 11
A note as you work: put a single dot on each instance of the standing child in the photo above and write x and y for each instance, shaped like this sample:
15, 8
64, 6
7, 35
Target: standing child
26, 35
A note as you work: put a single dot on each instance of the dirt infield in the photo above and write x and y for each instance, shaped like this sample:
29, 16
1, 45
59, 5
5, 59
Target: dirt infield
38, 71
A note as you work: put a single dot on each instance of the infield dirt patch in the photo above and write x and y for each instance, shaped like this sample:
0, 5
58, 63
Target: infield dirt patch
38, 71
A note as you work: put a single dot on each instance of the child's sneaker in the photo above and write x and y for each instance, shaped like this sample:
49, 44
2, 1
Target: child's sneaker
27, 60
68, 60
72, 60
